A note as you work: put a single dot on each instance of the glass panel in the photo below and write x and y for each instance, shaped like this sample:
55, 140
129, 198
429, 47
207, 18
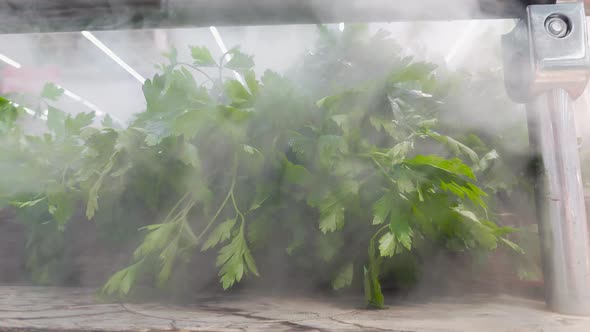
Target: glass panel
378, 175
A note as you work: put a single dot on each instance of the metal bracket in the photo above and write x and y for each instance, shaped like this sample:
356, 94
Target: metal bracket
548, 48
546, 63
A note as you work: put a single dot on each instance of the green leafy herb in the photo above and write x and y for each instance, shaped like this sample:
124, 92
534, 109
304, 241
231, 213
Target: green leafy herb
51, 91
348, 150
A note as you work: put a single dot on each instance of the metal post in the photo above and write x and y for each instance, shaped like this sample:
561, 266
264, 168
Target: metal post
560, 204
547, 64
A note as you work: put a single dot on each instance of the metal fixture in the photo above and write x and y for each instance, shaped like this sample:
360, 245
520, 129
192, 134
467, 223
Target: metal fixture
18, 16
547, 64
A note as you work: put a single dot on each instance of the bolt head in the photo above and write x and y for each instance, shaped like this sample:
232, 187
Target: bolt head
557, 27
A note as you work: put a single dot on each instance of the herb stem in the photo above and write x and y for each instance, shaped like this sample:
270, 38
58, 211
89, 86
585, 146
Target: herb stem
383, 171
379, 232
181, 219
238, 212
230, 194
197, 69
176, 206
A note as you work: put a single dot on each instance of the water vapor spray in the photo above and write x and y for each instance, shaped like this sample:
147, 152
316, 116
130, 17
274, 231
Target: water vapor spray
105, 72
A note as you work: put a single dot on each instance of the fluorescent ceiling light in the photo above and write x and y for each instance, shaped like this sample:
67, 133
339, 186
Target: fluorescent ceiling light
71, 94
112, 55
93, 107
9, 61
85, 102
42, 116
223, 49
88, 104
67, 92
218, 40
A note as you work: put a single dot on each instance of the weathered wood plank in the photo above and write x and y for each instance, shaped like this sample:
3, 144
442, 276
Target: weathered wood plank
66, 309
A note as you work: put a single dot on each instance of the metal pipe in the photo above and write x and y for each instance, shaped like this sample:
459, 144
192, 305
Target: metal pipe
560, 203
24, 16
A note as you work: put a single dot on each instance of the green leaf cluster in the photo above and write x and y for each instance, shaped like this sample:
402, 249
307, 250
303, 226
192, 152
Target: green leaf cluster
346, 144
